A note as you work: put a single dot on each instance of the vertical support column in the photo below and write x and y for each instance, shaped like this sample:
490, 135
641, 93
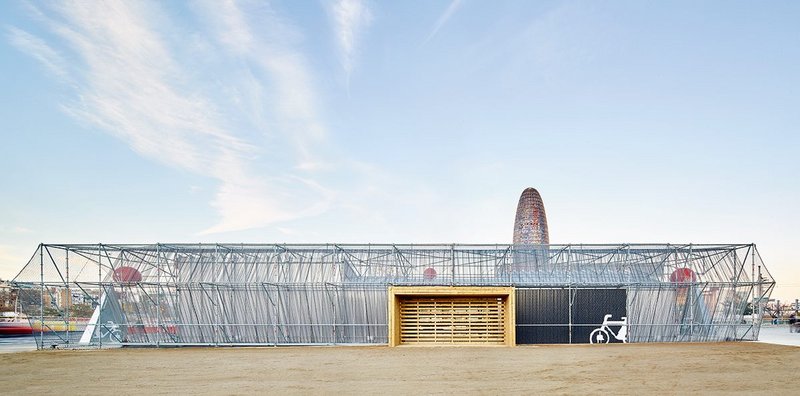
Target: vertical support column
690, 309
334, 301
569, 290
98, 326
69, 295
511, 316
756, 301
158, 295
731, 313
760, 315
393, 318
453, 264
631, 326
41, 296
691, 297
217, 323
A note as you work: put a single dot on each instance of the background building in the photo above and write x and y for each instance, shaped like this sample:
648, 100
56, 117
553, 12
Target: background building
530, 223
8, 296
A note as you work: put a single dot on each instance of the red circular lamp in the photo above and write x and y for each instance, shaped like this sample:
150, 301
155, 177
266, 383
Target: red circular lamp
429, 273
682, 275
127, 275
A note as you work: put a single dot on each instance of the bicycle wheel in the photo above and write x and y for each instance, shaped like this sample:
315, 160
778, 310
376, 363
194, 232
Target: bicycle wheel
599, 336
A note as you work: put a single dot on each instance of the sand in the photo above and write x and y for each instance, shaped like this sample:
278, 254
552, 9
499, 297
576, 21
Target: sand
631, 369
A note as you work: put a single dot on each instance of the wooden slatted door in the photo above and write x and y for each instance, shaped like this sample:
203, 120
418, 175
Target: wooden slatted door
453, 320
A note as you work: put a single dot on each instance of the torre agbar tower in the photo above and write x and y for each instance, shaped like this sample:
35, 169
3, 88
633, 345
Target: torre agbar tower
530, 224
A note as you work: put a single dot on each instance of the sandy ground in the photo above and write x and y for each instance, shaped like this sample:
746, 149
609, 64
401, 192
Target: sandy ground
634, 368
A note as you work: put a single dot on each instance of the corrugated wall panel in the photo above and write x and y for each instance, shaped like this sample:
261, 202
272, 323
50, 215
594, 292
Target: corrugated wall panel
542, 316
589, 307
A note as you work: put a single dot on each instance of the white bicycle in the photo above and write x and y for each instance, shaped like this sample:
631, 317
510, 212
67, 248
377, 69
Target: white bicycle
110, 330
603, 334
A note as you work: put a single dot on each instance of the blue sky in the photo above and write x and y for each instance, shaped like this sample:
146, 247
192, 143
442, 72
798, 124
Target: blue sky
367, 121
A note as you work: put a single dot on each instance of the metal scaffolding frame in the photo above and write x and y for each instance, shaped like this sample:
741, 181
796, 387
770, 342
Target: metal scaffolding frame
281, 294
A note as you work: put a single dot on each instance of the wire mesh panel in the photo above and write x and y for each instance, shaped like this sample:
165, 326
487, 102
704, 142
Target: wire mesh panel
268, 294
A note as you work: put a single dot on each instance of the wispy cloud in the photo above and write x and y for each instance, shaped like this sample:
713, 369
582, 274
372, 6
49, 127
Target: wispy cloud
141, 85
22, 230
136, 90
39, 50
261, 41
16, 230
350, 18
446, 15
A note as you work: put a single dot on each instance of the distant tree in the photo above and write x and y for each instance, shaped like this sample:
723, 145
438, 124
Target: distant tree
748, 310
50, 311
7, 296
81, 311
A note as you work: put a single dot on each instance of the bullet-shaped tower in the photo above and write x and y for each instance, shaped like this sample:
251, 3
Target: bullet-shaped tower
530, 225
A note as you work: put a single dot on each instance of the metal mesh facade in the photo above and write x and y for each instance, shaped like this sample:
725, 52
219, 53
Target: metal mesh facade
250, 294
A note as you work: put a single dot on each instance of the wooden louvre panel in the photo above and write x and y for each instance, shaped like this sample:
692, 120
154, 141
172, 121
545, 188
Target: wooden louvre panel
452, 320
